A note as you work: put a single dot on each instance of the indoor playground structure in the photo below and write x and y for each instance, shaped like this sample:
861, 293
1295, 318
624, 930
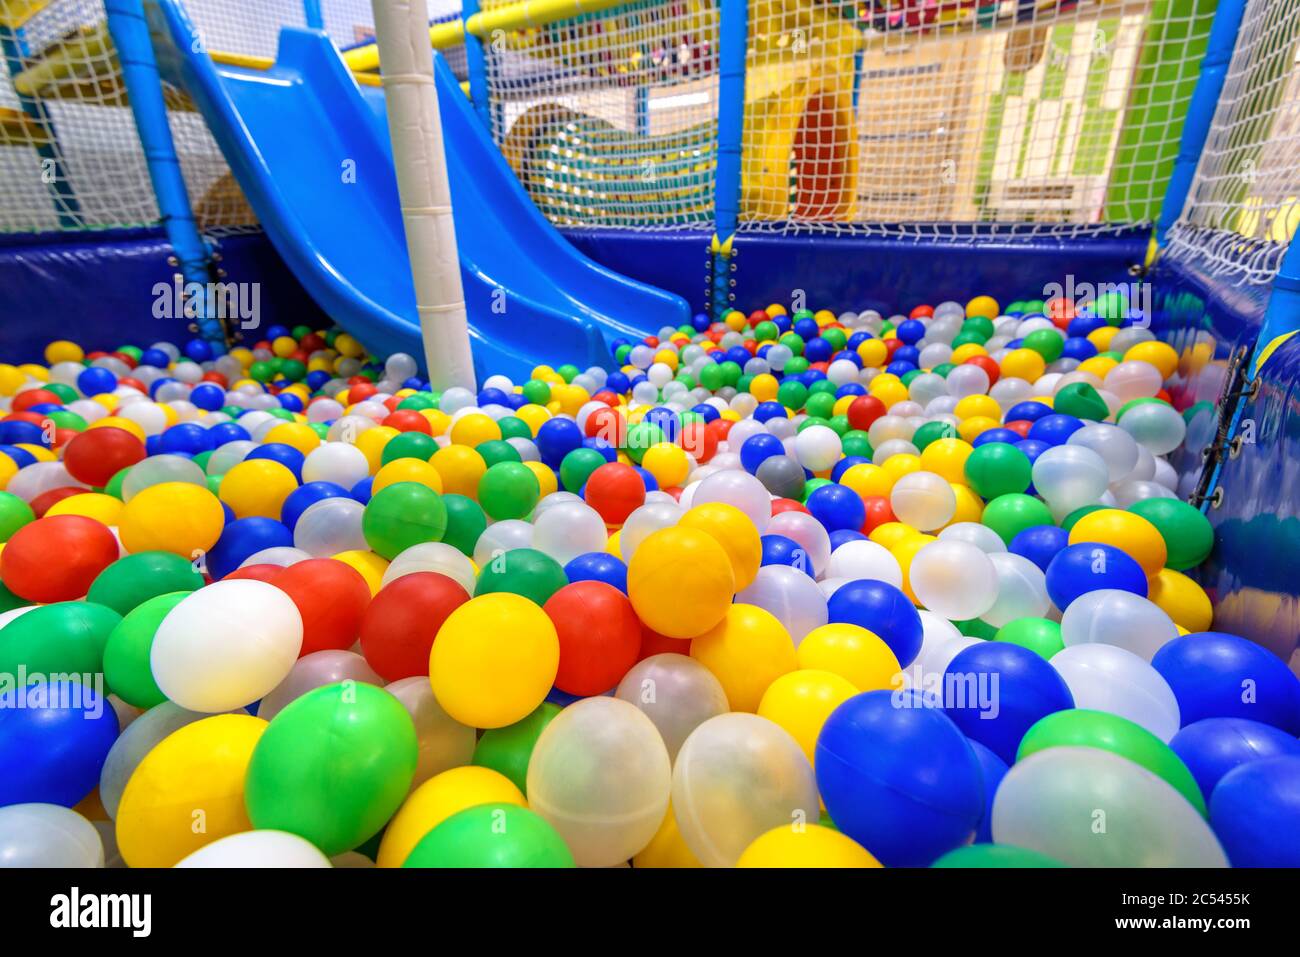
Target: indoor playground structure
669, 433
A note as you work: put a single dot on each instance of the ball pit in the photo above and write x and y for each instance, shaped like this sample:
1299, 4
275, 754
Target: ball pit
661, 615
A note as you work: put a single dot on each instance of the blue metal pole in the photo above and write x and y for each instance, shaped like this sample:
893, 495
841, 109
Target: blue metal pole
476, 60
1200, 111
311, 10
130, 31
733, 37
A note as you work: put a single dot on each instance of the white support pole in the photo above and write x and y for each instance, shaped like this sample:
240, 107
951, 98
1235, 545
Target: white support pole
415, 127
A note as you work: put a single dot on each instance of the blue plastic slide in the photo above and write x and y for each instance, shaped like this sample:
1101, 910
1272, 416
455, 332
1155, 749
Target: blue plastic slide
312, 153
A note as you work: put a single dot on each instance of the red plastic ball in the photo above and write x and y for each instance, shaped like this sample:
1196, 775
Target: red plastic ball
719, 428
361, 391
600, 636
257, 573
47, 500
332, 598
615, 491
780, 505
312, 343
864, 410
921, 312
1020, 426
607, 424
408, 420
25, 400
96, 455
398, 629
878, 513
56, 558
988, 365
699, 441
653, 643
130, 382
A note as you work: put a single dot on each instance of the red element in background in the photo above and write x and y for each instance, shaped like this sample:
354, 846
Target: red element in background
864, 410
57, 557
615, 491
600, 636
408, 420
780, 505
878, 513
987, 364
332, 597
96, 455
399, 627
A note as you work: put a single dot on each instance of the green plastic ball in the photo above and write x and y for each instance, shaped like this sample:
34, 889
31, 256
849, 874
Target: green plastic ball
465, 522
1040, 635
497, 450
998, 468
1188, 535
577, 466
492, 835
408, 445
66, 637
507, 750
402, 515
508, 490
1082, 401
14, 514
522, 571
134, 579
126, 653
995, 856
1012, 513
1048, 343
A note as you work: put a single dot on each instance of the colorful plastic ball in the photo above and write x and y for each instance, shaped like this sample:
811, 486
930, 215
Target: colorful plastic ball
1255, 812
522, 571
1040, 544
1157, 426
737, 777
201, 765
598, 567
676, 693
257, 488
599, 635
331, 597
732, 529
48, 835
436, 800
508, 490
851, 652
127, 666
1186, 602
494, 660
954, 579
226, 645
693, 568
994, 856
1147, 822
557, 438
782, 476
262, 848
995, 691
1187, 533
1119, 618
62, 638
333, 766
1127, 531
899, 778
601, 776
96, 455
1079, 727
837, 507
996, 468
1217, 675
1040, 635
1089, 566
883, 610
923, 500
1212, 747
338, 462
801, 701
14, 514
398, 628
54, 737
746, 651
738, 488
56, 558
508, 750
491, 835
615, 491
403, 515
134, 579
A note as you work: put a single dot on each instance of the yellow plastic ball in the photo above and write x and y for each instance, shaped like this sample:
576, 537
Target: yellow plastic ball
1182, 600
371, 442
763, 387
802, 700
975, 426
613, 546
735, 321
966, 351
546, 480
436, 800
977, 405
889, 534
1099, 366
437, 419
970, 507
1102, 336
11, 379
668, 463
298, 435
461, 468
668, 357
494, 660
1127, 531
857, 655
805, 847
1159, 354
257, 487
368, 565
947, 457
284, 346
475, 429
1023, 364
985, 307
406, 470
35, 371
8, 469
534, 415
900, 464
667, 848
680, 582
61, 350
347, 346
746, 652
869, 480
174, 517
776, 309
105, 509
873, 353
732, 529
188, 791
903, 552
41, 453
127, 425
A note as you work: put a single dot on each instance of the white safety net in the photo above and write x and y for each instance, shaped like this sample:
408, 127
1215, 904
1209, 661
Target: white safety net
1244, 205
610, 119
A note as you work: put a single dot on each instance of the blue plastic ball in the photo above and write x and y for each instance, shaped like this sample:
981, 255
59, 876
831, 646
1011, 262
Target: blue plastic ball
158, 359
187, 437
647, 478
779, 550
242, 538
224, 432
361, 491
883, 609
666, 419
910, 331
95, 380
770, 410
598, 567
208, 396
1029, 411
1087, 566
304, 497
837, 507
556, 439
286, 455
1255, 813
1214, 746
818, 350
1040, 544
54, 737
1217, 675
290, 401
758, 449
994, 770
1054, 429
198, 350
845, 535
899, 778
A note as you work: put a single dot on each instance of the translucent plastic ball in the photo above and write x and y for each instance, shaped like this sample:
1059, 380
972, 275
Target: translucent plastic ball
47, 835
676, 693
643, 523
793, 598
817, 448
226, 645
281, 555
314, 671
809, 534
1070, 476
973, 533
335, 462
738, 488
330, 526
1112, 617
887, 450
601, 775
889, 427
1158, 427
1116, 447
1021, 590
1042, 800
1133, 379
258, 848
436, 557
444, 742
501, 537
737, 777
1126, 493
154, 471
569, 530
866, 559
1110, 679
967, 380
923, 500
954, 579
